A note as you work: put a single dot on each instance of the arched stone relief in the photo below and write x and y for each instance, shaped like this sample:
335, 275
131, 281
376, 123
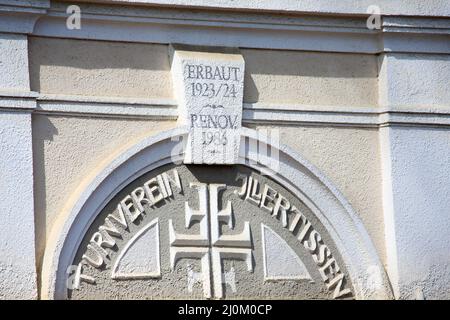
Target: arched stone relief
218, 229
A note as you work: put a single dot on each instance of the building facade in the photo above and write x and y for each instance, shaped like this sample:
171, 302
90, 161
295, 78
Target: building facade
224, 149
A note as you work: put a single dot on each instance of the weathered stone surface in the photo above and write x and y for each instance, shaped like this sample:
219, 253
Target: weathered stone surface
209, 88
211, 242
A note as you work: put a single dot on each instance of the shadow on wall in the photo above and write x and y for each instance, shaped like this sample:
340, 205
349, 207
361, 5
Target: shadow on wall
310, 77
309, 64
43, 133
86, 54
101, 68
104, 68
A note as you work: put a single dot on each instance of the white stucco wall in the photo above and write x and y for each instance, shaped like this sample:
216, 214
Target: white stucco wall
415, 81
14, 64
415, 161
417, 208
17, 256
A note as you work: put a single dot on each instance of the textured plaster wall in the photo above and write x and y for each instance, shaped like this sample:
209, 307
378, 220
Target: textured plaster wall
13, 62
416, 177
67, 149
310, 78
17, 259
350, 158
100, 68
419, 210
418, 80
97, 68
17, 263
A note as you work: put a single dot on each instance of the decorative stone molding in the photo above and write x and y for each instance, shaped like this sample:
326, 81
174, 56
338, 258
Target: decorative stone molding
404, 7
20, 16
209, 87
333, 32
361, 116
345, 228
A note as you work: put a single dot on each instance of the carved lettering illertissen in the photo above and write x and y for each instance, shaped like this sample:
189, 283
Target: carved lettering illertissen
280, 208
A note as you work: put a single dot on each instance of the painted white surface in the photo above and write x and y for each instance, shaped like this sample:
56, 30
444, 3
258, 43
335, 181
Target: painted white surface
14, 63
17, 254
403, 7
415, 80
17, 238
417, 210
233, 34
27, 4
416, 175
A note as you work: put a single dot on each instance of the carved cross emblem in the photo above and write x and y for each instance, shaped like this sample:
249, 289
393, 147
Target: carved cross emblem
210, 245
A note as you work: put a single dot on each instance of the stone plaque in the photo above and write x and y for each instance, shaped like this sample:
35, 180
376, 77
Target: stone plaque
207, 232
209, 89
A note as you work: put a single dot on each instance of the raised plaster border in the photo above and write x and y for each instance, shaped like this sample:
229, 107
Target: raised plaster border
156, 109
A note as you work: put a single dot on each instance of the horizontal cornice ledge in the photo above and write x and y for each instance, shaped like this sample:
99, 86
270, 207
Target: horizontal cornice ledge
20, 16
387, 7
17, 100
253, 113
259, 30
116, 107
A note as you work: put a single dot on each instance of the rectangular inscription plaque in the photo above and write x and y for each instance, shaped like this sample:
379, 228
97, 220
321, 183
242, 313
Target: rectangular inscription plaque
209, 89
